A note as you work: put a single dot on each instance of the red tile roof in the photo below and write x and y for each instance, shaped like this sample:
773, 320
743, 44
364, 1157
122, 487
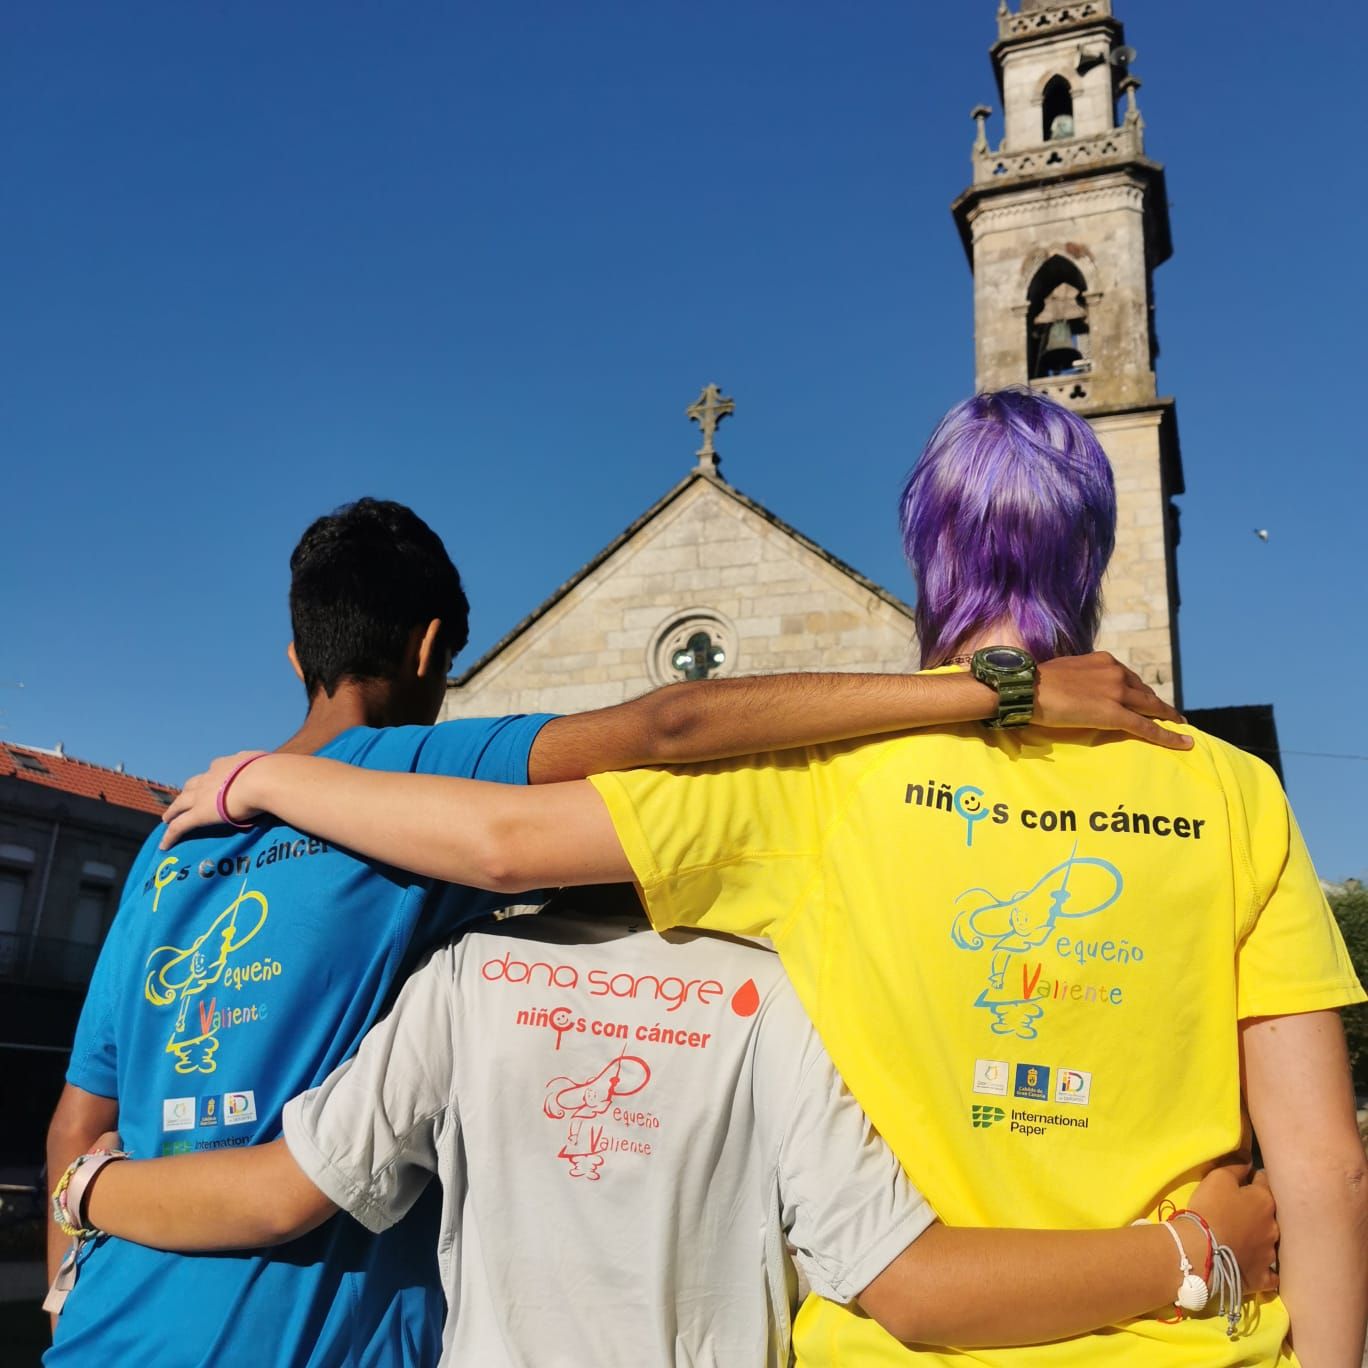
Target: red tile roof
80, 777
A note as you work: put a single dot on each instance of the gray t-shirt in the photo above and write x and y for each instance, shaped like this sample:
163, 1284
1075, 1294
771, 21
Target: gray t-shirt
629, 1129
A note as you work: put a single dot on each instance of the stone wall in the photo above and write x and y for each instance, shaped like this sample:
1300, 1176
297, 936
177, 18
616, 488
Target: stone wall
1099, 226
1140, 592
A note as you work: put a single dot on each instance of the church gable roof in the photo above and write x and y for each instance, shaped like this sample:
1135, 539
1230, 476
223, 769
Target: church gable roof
640, 531
706, 582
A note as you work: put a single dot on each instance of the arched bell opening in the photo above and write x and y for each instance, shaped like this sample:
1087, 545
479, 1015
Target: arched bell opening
1057, 110
1057, 333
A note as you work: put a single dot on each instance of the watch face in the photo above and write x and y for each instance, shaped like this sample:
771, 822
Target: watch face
1007, 658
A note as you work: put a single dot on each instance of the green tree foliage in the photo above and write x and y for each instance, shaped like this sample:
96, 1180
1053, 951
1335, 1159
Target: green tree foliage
1350, 907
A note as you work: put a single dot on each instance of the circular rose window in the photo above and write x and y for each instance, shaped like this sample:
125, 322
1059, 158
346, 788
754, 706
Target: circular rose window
698, 643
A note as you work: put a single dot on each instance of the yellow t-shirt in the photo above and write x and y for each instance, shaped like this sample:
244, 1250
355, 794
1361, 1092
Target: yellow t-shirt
1027, 953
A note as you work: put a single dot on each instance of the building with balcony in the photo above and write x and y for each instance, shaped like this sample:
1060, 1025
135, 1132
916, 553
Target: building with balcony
69, 831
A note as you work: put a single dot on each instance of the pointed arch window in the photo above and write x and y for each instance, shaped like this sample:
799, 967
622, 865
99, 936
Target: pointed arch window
1057, 332
1057, 110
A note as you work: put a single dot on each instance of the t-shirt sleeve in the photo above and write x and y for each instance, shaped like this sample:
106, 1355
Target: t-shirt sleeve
492, 748
847, 1207
369, 1135
94, 1061
727, 847
1292, 957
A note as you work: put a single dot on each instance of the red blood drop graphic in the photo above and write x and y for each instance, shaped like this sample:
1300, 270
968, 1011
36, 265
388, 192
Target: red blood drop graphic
746, 999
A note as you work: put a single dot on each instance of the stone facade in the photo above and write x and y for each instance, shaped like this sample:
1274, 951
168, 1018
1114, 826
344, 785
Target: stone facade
1141, 589
1067, 219
705, 558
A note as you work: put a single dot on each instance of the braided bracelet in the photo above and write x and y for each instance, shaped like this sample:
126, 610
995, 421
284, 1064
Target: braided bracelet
68, 1197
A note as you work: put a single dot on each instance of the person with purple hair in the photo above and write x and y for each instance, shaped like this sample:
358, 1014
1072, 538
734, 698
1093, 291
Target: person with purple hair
1061, 971
1009, 521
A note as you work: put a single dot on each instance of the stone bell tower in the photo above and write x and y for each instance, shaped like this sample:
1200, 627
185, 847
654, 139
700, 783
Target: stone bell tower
1064, 224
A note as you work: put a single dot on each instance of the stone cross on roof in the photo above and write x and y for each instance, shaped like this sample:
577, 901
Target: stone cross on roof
708, 410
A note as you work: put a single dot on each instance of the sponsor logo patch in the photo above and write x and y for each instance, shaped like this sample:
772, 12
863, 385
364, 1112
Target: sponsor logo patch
239, 1108
178, 1113
1073, 1085
990, 1076
983, 1116
1033, 1081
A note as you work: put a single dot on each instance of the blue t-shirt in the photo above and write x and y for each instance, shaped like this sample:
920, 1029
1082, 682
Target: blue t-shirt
241, 969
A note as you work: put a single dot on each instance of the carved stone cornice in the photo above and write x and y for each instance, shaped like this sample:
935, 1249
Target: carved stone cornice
1044, 22
1113, 145
1134, 179
1031, 21
1014, 213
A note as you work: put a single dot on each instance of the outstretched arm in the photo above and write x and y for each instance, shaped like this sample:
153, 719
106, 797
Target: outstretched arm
220, 1199
1301, 1103
719, 719
512, 839
987, 1288
496, 836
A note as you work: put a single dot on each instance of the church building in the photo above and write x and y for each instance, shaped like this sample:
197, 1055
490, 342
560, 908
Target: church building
1063, 223
705, 583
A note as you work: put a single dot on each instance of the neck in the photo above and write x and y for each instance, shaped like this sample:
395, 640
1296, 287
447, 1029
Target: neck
354, 703
1002, 633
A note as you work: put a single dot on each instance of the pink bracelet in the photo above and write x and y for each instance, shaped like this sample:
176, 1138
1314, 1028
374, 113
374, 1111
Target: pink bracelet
68, 1199
82, 1179
69, 1194
221, 798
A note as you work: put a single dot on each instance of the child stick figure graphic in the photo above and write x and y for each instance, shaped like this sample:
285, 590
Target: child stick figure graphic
581, 1102
1027, 919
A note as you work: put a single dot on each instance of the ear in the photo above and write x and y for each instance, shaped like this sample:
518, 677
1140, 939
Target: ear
294, 661
430, 655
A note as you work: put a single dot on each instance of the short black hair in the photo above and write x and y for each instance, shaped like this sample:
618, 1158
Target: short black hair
361, 578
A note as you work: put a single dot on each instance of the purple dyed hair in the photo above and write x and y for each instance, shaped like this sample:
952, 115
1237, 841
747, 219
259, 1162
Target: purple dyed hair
1009, 515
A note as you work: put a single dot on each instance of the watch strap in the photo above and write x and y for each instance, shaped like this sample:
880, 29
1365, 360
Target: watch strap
1015, 688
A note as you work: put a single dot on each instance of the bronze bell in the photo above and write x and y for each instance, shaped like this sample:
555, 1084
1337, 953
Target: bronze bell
1058, 351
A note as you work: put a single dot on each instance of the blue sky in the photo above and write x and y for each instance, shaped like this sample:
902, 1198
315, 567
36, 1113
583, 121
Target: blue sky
262, 259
